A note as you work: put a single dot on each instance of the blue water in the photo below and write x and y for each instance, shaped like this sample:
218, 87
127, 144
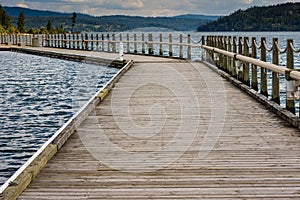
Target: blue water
37, 96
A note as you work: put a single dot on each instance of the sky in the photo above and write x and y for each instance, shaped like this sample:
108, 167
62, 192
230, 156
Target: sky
143, 7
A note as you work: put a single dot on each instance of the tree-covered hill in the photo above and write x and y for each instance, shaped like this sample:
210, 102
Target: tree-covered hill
281, 17
36, 19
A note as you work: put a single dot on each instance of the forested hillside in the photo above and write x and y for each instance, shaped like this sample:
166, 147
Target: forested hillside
35, 19
282, 17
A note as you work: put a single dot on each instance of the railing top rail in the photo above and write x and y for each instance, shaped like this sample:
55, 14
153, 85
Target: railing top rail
275, 68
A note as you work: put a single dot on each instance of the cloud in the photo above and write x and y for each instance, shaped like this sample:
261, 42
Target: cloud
122, 5
22, 5
143, 7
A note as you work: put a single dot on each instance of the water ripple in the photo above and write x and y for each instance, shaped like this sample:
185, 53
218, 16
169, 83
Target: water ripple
37, 96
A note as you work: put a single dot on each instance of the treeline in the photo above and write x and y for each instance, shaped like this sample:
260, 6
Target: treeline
36, 19
281, 17
6, 26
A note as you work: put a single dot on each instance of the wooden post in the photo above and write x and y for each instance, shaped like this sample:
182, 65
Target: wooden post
108, 43
114, 49
189, 53
86, 45
102, 38
229, 60
97, 42
78, 43
234, 74
246, 75
160, 45
150, 47
65, 40
254, 84
143, 43
74, 43
264, 75
135, 44
170, 46
290, 104
180, 48
70, 40
275, 76
128, 45
240, 51
82, 42
55, 41
92, 45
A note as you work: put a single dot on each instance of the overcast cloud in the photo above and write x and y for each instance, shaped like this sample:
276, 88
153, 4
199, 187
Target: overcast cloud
143, 7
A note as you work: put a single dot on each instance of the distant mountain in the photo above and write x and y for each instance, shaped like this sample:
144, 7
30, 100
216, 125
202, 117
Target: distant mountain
201, 17
281, 17
38, 18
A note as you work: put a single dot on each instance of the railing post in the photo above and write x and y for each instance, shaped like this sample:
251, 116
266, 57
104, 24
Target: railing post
102, 42
275, 76
70, 40
78, 43
264, 75
143, 43
74, 43
254, 83
97, 42
234, 74
135, 44
86, 41
150, 39
92, 45
225, 47
240, 51
170, 46
246, 76
82, 42
128, 44
290, 104
55, 41
108, 43
229, 60
189, 53
203, 58
160, 45
114, 44
47, 40
180, 48
65, 40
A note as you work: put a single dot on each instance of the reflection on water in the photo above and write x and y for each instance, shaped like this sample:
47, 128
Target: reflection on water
37, 96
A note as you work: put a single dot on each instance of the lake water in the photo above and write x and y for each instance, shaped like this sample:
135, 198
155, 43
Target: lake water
37, 96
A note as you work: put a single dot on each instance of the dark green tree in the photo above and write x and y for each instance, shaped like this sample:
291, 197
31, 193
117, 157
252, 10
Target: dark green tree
74, 16
4, 18
21, 22
49, 26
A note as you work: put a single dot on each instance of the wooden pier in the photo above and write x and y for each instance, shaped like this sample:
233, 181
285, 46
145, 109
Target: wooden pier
215, 142
256, 155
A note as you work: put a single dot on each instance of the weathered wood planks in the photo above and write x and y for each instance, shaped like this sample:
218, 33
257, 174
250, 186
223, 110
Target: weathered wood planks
256, 155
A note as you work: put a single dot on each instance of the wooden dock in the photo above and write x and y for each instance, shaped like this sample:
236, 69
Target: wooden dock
238, 150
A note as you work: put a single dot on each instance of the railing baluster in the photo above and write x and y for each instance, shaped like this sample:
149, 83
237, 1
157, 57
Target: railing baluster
290, 104
135, 44
246, 77
254, 84
275, 76
263, 73
160, 45
143, 43
189, 52
180, 48
170, 46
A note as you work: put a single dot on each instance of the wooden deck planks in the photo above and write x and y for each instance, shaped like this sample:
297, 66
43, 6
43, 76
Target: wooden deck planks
256, 155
